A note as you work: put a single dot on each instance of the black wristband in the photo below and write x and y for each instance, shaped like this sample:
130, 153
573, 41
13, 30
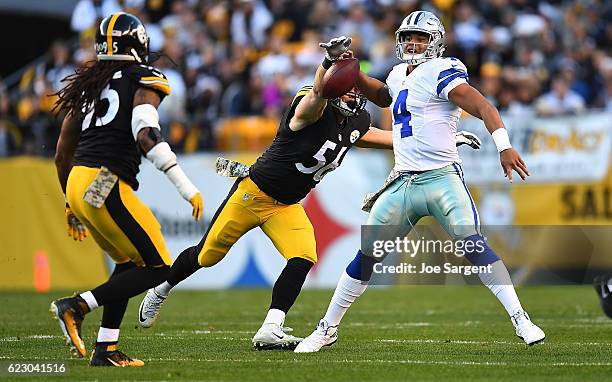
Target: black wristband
327, 63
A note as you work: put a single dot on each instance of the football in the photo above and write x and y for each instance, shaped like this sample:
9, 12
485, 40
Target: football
340, 78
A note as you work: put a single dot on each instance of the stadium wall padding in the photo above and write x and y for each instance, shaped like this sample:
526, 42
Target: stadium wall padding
36, 252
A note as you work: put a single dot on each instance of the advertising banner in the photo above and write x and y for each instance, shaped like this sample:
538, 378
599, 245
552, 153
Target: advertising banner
565, 149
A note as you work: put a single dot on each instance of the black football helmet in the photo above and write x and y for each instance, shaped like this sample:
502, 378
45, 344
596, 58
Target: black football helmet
354, 105
122, 37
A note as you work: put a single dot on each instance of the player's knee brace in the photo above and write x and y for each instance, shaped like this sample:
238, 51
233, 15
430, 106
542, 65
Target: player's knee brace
477, 251
361, 267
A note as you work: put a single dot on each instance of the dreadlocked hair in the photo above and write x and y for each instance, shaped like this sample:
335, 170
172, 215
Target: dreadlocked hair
84, 87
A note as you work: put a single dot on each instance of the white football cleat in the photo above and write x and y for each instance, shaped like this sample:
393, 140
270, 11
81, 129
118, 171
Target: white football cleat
274, 336
149, 308
323, 335
527, 330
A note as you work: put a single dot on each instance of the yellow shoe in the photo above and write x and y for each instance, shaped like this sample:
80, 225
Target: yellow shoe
69, 313
106, 354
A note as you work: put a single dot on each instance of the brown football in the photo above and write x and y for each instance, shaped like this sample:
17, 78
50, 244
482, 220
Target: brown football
340, 78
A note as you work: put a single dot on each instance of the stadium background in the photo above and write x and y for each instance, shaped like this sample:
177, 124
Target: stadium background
546, 65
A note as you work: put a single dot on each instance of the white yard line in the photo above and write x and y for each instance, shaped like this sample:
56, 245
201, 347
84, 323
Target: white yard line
319, 360
463, 342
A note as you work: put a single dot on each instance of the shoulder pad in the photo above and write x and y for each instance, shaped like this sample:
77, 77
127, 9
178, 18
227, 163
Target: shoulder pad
150, 77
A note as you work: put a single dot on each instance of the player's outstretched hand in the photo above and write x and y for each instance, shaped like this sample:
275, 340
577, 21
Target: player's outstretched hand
76, 229
198, 206
336, 47
467, 138
511, 160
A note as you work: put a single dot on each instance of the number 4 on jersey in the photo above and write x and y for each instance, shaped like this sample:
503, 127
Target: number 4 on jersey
402, 115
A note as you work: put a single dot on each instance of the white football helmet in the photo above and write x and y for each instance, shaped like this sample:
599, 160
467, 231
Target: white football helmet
423, 22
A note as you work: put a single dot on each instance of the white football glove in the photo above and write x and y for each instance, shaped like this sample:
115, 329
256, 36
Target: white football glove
467, 138
336, 47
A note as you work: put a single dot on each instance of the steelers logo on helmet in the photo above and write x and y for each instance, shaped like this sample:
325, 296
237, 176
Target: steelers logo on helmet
142, 34
122, 37
354, 136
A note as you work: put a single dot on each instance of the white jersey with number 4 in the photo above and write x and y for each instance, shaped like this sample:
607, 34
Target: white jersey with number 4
424, 120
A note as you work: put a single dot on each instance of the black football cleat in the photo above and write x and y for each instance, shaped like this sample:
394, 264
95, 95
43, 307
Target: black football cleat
603, 292
105, 354
69, 313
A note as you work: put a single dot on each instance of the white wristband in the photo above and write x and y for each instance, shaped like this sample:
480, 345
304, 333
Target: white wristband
181, 182
501, 139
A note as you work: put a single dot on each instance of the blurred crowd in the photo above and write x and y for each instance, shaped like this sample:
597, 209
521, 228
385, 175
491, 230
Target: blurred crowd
233, 58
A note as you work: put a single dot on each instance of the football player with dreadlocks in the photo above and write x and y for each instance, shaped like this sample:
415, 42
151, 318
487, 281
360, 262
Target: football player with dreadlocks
111, 121
427, 92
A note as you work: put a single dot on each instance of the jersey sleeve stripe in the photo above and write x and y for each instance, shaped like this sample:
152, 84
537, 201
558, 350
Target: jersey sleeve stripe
160, 87
448, 80
302, 92
448, 72
153, 78
154, 82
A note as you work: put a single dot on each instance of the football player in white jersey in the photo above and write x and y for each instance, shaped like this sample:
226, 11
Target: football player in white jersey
426, 94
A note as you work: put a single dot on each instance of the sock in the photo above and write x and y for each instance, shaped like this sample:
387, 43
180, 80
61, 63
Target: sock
184, 266
114, 311
289, 284
275, 316
480, 253
500, 284
113, 314
347, 291
129, 283
163, 289
361, 267
89, 298
108, 335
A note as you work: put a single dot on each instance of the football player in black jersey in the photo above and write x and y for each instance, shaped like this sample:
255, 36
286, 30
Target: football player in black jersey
111, 121
313, 138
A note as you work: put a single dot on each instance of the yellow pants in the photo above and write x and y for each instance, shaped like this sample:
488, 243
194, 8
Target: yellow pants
124, 227
247, 207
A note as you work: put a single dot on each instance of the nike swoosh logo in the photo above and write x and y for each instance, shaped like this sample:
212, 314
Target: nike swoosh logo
140, 317
113, 362
277, 336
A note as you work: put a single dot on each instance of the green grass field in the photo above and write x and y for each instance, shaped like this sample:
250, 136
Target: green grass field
398, 334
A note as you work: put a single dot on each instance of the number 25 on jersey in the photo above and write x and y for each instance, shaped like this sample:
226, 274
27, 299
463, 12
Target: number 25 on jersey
401, 115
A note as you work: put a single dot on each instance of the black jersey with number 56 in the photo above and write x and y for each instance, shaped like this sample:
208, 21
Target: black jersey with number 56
106, 137
297, 160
